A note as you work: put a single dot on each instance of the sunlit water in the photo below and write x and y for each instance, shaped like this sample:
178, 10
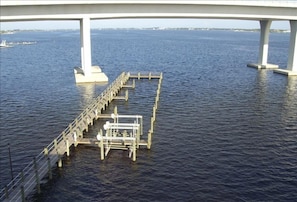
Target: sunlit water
224, 132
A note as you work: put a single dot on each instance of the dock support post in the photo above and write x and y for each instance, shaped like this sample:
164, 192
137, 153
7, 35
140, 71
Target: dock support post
45, 151
263, 47
36, 176
149, 140
87, 124
126, 95
67, 147
75, 139
152, 124
138, 138
59, 156
101, 149
292, 58
154, 111
115, 110
6, 192
60, 162
23, 193
134, 151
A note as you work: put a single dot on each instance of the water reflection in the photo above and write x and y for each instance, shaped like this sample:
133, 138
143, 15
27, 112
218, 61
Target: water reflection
291, 89
260, 95
88, 92
289, 116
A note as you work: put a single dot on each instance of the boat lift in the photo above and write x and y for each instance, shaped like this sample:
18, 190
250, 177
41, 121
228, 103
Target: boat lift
124, 135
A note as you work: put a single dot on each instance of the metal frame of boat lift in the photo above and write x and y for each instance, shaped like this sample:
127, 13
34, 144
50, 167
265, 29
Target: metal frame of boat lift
123, 136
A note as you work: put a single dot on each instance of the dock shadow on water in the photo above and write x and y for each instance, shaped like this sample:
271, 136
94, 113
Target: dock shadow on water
102, 179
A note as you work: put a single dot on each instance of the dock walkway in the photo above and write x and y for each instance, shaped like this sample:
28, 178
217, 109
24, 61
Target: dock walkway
29, 179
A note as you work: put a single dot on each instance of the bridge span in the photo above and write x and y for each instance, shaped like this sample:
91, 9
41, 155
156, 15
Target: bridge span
264, 11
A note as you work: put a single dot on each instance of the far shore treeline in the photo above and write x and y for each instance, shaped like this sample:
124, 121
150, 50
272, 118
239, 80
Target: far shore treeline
154, 28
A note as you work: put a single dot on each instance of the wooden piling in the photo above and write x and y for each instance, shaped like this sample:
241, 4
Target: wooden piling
6, 192
138, 138
96, 114
55, 144
126, 95
134, 151
115, 110
87, 124
152, 124
149, 140
154, 112
67, 147
75, 139
23, 193
101, 148
60, 164
45, 151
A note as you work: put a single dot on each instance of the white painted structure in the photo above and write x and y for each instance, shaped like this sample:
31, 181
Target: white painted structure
264, 11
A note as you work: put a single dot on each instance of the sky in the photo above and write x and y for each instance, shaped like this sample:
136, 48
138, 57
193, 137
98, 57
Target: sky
143, 23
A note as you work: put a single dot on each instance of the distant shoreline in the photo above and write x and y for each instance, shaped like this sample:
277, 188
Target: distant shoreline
152, 28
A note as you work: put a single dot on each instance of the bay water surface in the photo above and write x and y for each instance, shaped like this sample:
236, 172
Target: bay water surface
224, 132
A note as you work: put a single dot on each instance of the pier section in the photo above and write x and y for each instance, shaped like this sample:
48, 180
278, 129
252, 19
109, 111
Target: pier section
125, 132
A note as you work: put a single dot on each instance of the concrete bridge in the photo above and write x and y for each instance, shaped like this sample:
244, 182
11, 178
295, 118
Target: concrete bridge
264, 11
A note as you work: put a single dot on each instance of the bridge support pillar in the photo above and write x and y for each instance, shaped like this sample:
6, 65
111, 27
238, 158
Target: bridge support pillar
87, 72
292, 59
263, 47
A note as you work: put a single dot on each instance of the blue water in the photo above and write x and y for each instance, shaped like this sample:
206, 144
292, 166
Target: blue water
224, 132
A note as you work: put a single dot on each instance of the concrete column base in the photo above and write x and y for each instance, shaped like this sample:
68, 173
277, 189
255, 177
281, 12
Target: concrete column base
285, 72
97, 76
260, 66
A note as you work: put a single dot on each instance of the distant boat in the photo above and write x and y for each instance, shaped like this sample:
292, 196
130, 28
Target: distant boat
3, 44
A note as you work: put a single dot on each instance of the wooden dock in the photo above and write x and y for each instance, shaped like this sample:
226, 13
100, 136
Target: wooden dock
41, 166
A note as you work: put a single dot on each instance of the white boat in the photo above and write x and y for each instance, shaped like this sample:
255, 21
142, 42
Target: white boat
3, 44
